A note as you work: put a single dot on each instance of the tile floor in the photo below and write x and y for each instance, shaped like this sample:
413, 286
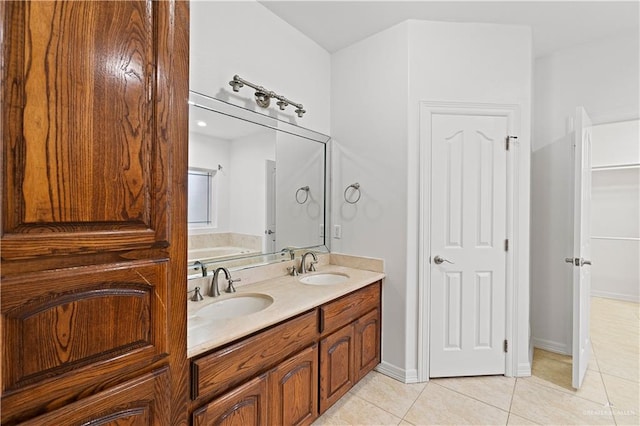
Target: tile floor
609, 395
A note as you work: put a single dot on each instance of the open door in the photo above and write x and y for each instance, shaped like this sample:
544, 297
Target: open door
581, 246
270, 232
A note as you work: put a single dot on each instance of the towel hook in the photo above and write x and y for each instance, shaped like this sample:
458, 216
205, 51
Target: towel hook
356, 187
306, 194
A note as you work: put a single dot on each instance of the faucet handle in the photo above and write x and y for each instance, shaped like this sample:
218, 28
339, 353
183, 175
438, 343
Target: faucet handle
293, 271
197, 296
231, 288
312, 266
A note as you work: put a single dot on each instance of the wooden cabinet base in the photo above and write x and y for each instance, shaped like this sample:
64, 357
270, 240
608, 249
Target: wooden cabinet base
293, 386
244, 406
142, 401
292, 372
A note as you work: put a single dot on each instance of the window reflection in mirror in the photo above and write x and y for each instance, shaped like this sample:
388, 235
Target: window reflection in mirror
254, 188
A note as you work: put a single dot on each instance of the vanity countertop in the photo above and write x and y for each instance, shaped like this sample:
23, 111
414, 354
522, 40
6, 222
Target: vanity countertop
290, 298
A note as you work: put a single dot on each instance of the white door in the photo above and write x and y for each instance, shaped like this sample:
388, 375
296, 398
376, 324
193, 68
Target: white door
468, 233
581, 245
270, 232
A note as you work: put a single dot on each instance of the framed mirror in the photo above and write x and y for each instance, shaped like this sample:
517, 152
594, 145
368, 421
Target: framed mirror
257, 186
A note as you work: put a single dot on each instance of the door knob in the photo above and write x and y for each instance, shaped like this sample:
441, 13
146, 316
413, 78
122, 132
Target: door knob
269, 232
585, 262
439, 260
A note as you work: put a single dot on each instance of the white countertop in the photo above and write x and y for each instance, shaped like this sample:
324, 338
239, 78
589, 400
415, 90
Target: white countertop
290, 298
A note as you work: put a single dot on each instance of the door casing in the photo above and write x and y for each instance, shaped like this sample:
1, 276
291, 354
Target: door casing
427, 109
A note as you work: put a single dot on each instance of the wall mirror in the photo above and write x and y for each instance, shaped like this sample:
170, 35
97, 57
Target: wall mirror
257, 186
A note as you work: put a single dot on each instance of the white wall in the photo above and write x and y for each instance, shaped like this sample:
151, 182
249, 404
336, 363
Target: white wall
247, 183
377, 86
369, 129
601, 76
300, 163
245, 38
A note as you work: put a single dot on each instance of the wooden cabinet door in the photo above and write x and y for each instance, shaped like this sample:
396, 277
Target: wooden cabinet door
86, 110
367, 343
93, 213
143, 401
337, 374
67, 330
293, 385
246, 405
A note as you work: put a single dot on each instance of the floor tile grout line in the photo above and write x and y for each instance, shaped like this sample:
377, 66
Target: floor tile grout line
377, 406
565, 390
416, 400
513, 393
471, 397
604, 385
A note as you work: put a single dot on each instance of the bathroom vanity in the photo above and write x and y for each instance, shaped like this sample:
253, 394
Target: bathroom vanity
291, 361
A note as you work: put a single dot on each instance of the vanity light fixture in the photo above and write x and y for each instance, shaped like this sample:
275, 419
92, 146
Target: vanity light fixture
263, 96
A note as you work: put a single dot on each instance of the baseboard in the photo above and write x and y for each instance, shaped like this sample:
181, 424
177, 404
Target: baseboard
616, 296
548, 345
401, 375
523, 370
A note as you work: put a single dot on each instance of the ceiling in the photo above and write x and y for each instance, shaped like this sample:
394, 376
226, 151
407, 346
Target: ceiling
556, 24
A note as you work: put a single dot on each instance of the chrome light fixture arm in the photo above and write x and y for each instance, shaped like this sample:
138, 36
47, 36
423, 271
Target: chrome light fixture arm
263, 96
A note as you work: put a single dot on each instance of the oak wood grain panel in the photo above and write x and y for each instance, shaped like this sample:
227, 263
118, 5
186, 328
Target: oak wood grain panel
293, 386
139, 402
244, 406
81, 162
367, 343
68, 330
169, 195
337, 373
114, 155
348, 308
225, 368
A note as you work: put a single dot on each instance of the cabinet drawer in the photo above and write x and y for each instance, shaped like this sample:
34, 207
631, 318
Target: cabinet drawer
227, 367
336, 314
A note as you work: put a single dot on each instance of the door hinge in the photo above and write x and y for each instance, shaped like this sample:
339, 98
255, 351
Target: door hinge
506, 245
507, 139
505, 346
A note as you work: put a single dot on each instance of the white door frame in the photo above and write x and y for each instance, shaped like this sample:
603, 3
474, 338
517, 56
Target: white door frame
512, 113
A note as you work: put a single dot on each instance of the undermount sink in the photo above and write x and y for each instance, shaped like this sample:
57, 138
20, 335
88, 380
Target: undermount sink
236, 306
328, 278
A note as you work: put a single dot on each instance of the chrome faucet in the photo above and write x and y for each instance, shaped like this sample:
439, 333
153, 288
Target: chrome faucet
215, 290
292, 253
312, 265
199, 265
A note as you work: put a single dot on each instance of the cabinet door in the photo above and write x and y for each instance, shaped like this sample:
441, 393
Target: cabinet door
139, 402
337, 374
246, 405
85, 165
367, 343
71, 329
293, 389
94, 135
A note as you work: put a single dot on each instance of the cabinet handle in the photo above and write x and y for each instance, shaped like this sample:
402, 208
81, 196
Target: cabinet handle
321, 321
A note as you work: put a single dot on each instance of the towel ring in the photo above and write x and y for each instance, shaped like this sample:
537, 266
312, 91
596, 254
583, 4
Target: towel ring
306, 193
356, 187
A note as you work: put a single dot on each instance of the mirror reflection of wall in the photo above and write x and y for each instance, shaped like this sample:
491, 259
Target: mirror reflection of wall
244, 184
300, 213
234, 153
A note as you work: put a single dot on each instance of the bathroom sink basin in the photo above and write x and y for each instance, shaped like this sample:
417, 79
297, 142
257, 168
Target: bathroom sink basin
325, 279
237, 306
